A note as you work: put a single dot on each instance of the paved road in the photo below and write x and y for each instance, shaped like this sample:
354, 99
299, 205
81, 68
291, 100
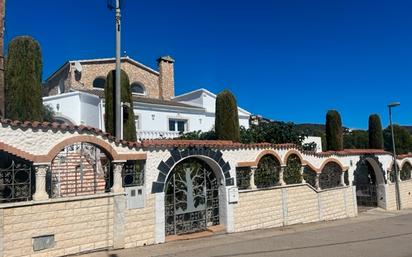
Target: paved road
375, 233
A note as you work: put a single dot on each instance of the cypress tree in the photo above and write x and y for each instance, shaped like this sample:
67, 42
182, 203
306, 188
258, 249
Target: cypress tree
227, 117
23, 80
334, 131
375, 132
129, 127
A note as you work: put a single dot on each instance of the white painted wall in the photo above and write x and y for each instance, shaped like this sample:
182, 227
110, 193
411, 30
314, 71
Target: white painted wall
78, 107
82, 108
316, 140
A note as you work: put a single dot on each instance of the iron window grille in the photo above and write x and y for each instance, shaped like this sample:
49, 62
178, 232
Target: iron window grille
243, 177
405, 172
133, 173
292, 170
309, 176
330, 176
267, 172
16, 182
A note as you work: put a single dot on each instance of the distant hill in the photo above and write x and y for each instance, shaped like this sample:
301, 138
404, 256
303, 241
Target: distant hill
312, 129
409, 128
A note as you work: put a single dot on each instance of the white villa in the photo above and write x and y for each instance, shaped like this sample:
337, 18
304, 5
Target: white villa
76, 94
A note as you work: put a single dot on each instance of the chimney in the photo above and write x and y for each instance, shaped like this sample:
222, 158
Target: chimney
2, 86
166, 77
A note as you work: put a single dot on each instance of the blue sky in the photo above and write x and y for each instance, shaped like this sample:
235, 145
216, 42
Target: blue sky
286, 60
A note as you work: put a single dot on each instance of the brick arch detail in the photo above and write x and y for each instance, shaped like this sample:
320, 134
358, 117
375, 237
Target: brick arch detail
391, 165
48, 158
269, 152
176, 155
325, 162
404, 162
294, 152
82, 139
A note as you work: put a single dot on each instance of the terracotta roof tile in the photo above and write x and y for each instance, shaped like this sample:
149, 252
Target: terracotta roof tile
354, 152
63, 127
170, 143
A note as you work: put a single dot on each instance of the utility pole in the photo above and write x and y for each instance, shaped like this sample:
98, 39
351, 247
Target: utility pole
117, 91
398, 195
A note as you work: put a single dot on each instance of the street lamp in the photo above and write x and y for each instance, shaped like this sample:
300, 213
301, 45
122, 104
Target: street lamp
116, 5
398, 197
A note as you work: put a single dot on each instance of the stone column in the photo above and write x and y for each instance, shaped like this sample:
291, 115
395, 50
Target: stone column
317, 183
388, 177
302, 169
252, 184
342, 178
40, 193
117, 177
281, 180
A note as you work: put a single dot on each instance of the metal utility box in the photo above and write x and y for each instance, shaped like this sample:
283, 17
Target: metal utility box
135, 197
233, 195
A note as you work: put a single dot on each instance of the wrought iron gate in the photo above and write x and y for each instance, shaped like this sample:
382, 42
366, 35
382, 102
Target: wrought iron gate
192, 198
366, 195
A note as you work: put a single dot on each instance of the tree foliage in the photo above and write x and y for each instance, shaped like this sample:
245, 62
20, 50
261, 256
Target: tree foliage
272, 132
375, 132
23, 80
48, 113
355, 139
198, 135
334, 131
227, 118
403, 140
129, 127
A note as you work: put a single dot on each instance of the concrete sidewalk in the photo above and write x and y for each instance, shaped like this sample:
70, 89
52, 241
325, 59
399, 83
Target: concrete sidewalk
372, 233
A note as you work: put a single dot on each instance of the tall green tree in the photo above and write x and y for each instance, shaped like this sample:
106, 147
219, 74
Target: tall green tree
403, 140
334, 131
23, 80
129, 127
227, 117
375, 132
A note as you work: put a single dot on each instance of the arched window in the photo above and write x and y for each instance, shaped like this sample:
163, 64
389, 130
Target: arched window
99, 82
405, 172
330, 176
292, 171
137, 88
309, 175
267, 172
80, 169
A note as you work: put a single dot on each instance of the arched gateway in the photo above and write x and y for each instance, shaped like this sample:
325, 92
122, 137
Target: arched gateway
191, 197
369, 181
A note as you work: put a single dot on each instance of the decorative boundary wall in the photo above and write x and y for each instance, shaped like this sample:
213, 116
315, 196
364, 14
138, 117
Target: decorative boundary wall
100, 221
281, 206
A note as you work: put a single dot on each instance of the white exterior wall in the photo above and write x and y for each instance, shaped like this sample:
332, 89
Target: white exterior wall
316, 140
85, 109
79, 108
69, 106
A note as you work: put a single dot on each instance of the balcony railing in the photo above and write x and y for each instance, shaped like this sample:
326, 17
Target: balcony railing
153, 134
